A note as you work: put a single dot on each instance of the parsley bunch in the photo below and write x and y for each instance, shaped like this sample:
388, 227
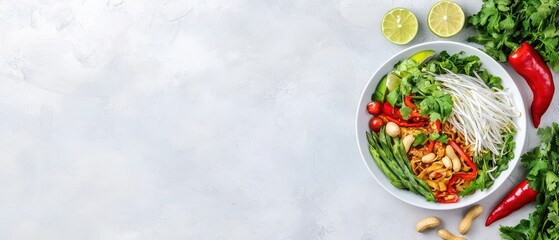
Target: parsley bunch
542, 164
502, 25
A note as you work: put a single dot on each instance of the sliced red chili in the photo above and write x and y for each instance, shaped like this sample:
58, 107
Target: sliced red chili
447, 198
398, 114
408, 102
387, 109
392, 111
464, 156
438, 125
402, 123
430, 146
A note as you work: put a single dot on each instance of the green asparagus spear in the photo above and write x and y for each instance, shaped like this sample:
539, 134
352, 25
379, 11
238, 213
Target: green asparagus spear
394, 180
429, 196
390, 162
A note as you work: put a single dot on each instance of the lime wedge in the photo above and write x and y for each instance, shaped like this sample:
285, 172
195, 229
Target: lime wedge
380, 91
399, 25
392, 81
423, 56
445, 19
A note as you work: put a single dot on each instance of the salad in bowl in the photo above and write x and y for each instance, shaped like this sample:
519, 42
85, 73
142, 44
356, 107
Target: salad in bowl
441, 125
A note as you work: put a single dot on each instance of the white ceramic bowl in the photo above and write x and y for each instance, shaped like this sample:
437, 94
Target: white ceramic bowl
362, 122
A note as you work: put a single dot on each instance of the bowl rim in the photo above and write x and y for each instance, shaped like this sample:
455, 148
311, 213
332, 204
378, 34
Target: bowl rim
519, 140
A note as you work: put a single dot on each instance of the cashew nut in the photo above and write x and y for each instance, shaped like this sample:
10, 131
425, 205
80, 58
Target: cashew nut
392, 129
427, 223
447, 162
429, 158
466, 223
446, 235
408, 141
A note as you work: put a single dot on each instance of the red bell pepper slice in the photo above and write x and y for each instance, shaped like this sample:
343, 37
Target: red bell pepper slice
430, 146
466, 158
438, 125
400, 122
441, 198
391, 111
408, 102
468, 176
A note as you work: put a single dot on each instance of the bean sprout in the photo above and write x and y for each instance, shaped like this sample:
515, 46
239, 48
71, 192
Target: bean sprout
483, 115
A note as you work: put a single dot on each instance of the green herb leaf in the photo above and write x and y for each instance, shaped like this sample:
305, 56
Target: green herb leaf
393, 97
420, 139
405, 111
501, 25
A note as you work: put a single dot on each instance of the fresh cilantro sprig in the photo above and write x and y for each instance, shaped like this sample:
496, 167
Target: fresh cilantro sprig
418, 81
501, 25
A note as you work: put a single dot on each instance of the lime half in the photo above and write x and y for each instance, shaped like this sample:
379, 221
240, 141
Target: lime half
445, 19
423, 56
399, 25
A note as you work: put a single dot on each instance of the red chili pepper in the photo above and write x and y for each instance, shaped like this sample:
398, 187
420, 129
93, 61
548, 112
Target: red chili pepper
441, 198
527, 62
415, 116
408, 102
466, 158
391, 111
398, 114
400, 122
468, 176
455, 177
387, 109
430, 146
518, 197
438, 125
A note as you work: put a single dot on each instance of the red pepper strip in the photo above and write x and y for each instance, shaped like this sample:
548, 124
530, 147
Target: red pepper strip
408, 102
387, 109
415, 113
527, 62
466, 158
415, 116
450, 184
441, 199
468, 176
402, 123
518, 197
398, 114
430, 146
391, 111
438, 125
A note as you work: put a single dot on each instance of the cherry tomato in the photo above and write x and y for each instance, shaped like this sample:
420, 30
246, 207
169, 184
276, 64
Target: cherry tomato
374, 107
376, 123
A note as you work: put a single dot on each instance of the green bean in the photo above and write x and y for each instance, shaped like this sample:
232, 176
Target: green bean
426, 190
406, 169
394, 180
391, 163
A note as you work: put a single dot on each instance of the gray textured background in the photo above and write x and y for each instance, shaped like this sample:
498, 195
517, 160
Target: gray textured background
203, 119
